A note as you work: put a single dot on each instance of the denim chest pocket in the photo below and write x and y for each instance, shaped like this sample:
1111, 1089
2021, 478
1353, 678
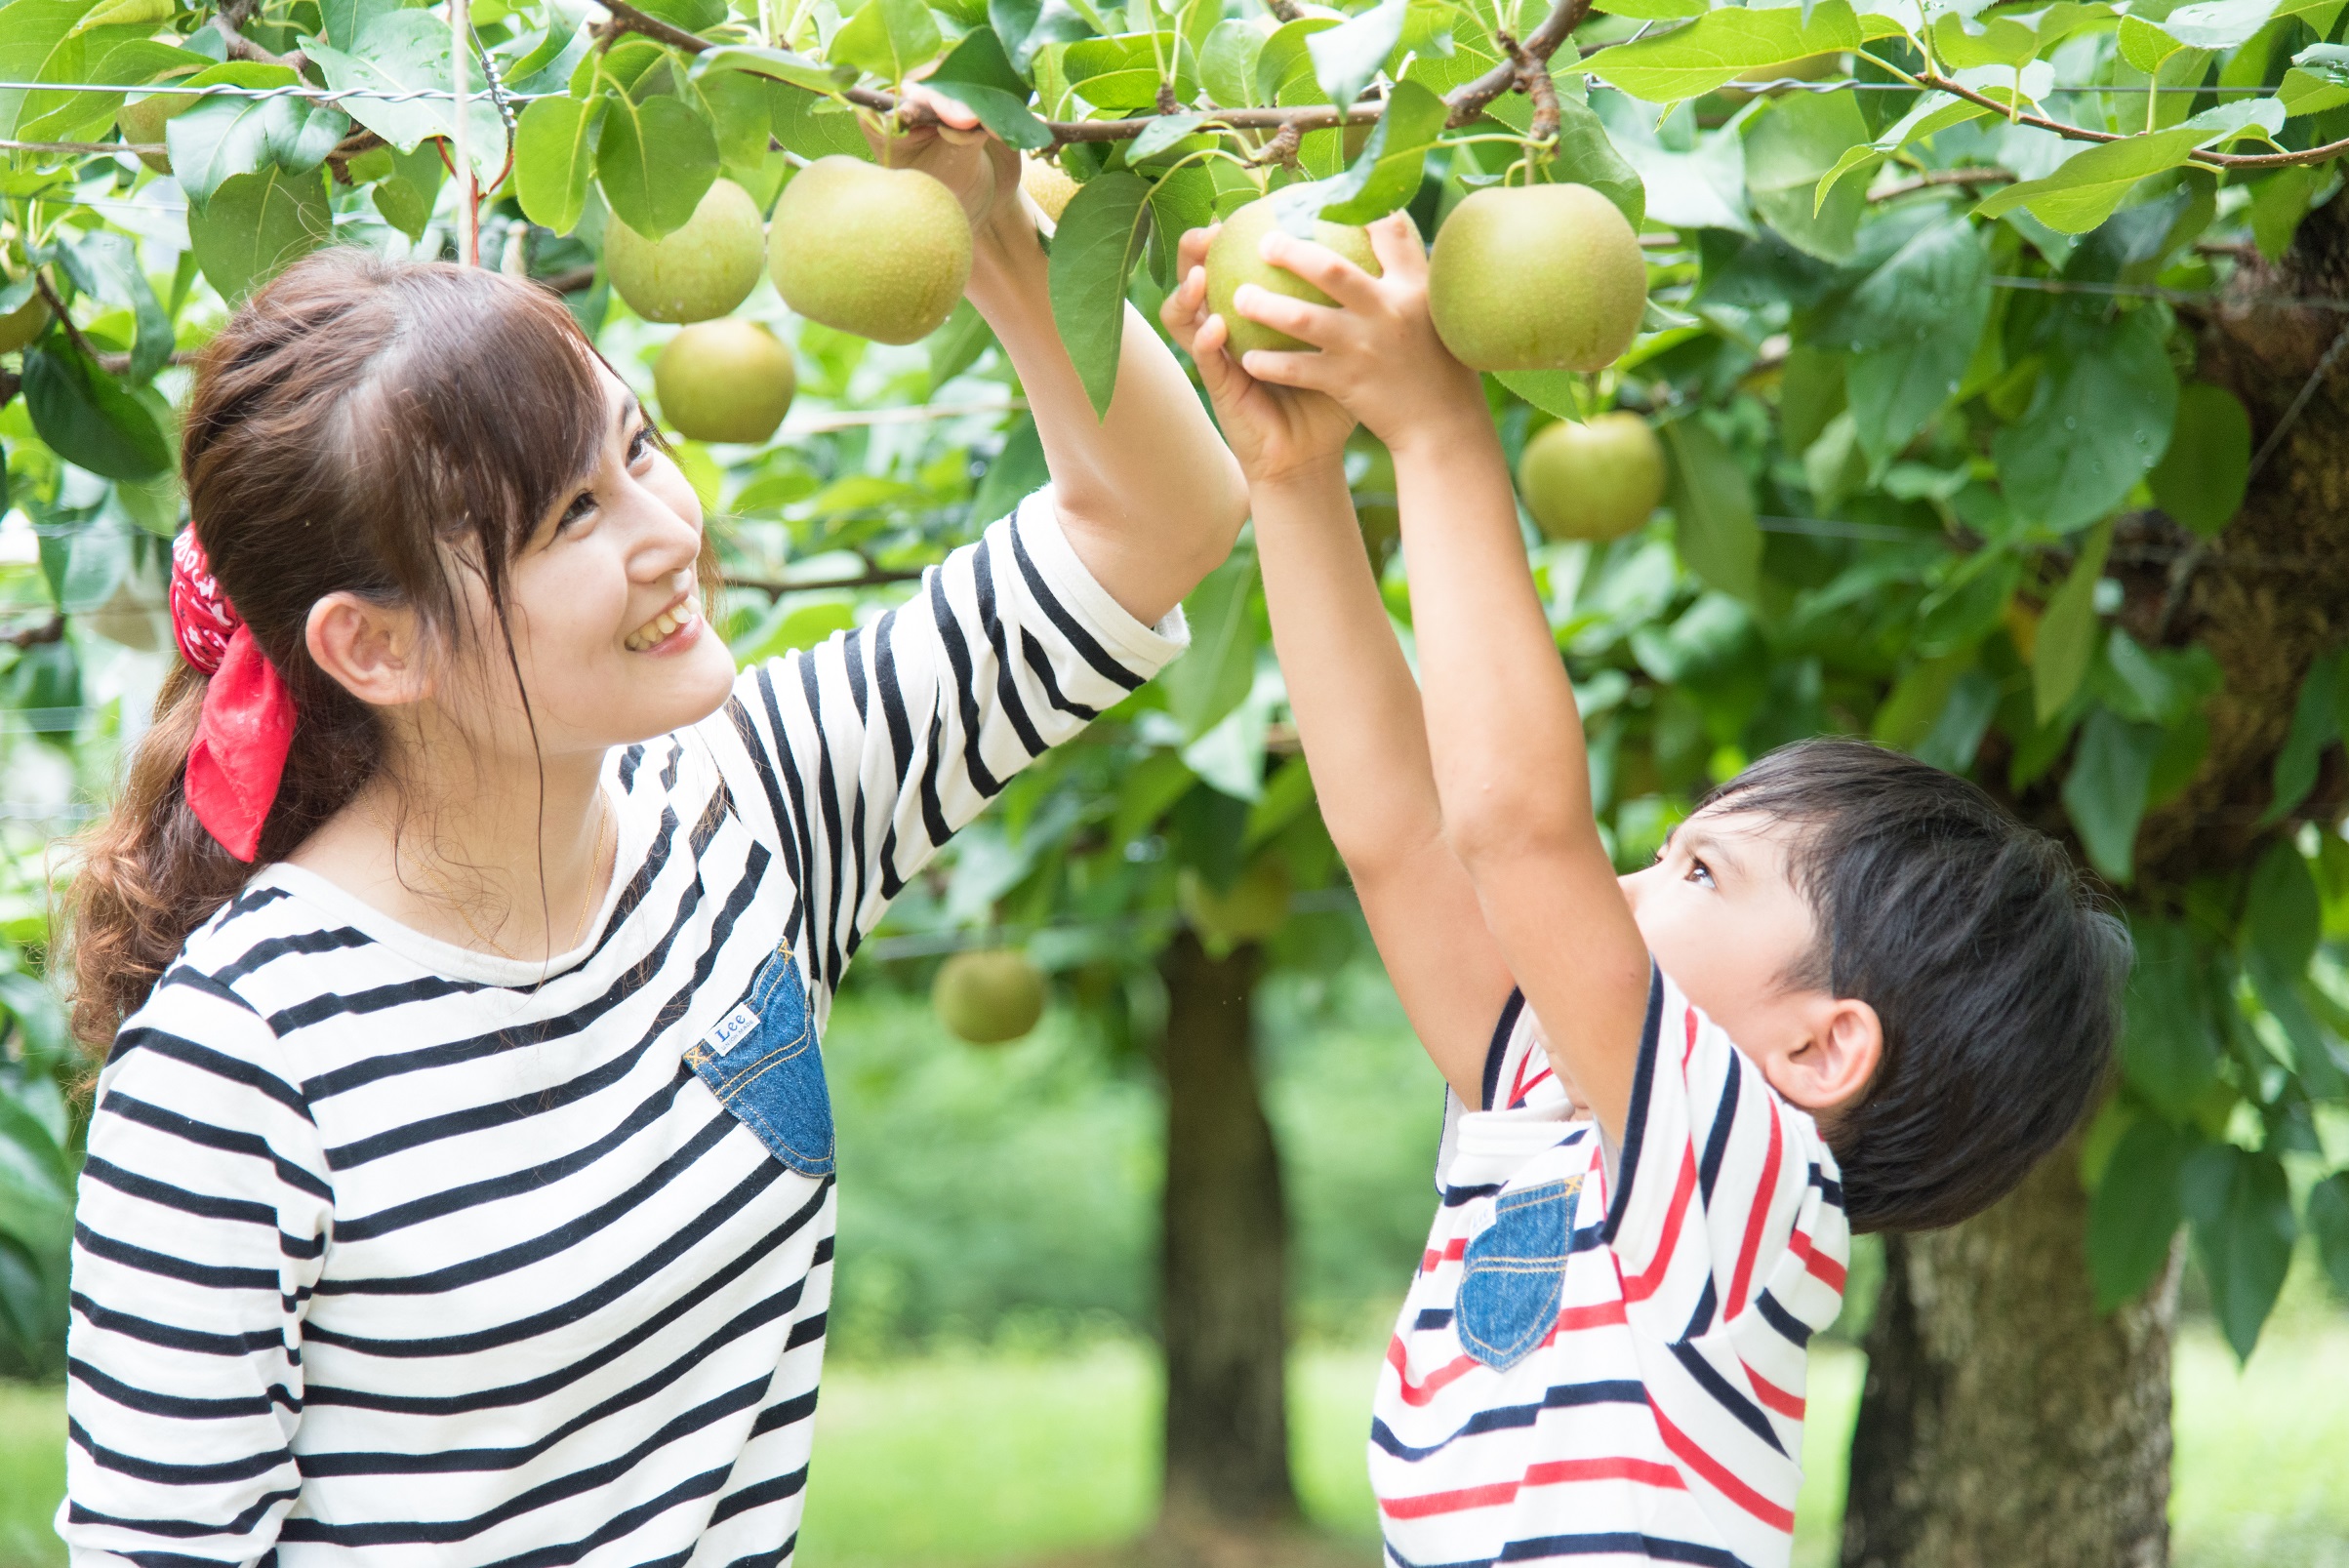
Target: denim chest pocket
763, 1062
1514, 1273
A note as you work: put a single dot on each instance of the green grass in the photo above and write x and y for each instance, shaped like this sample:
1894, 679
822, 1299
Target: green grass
970, 1458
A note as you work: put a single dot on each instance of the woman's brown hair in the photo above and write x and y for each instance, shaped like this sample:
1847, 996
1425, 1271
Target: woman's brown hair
359, 426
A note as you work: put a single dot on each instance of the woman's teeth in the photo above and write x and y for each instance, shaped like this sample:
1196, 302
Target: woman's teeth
662, 626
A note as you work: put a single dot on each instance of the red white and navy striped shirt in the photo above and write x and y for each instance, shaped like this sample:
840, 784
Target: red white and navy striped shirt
1612, 1376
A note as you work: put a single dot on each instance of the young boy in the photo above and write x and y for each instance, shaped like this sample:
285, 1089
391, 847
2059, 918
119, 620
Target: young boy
1850, 993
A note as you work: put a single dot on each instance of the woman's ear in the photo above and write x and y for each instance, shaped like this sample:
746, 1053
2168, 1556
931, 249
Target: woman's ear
373, 651
1835, 1064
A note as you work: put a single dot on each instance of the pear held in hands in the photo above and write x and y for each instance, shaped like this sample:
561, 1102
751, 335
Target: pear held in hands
695, 273
725, 381
990, 997
1594, 481
1235, 257
1539, 277
882, 253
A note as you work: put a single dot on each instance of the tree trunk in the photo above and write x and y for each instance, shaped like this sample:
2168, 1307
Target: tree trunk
1224, 1284
2006, 1422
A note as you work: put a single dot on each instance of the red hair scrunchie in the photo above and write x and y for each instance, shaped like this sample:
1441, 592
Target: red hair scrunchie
239, 752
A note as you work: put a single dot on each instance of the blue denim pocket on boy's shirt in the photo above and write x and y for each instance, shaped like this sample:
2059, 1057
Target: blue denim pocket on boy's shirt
1514, 1273
763, 1062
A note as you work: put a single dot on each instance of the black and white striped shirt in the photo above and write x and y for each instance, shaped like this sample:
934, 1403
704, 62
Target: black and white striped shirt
391, 1251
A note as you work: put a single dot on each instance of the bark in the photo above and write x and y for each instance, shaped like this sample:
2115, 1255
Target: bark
1224, 1283
2005, 1423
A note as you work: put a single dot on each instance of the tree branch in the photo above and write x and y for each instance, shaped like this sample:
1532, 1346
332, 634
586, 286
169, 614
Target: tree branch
1934, 178
1466, 101
230, 21
2081, 133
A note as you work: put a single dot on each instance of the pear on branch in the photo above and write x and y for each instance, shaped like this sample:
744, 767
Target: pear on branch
882, 253
1594, 481
725, 381
1539, 277
990, 997
694, 273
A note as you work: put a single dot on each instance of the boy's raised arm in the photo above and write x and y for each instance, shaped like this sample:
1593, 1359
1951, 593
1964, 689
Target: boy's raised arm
1150, 497
1357, 705
1505, 737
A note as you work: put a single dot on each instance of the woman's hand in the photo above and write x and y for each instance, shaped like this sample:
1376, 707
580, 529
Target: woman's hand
1377, 349
1276, 433
982, 172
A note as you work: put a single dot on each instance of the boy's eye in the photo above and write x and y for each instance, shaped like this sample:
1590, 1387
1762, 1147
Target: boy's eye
1700, 874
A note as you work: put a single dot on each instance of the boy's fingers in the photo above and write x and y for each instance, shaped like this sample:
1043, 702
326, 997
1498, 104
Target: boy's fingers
1283, 367
1322, 267
1191, 250
1394, 241
1318, 325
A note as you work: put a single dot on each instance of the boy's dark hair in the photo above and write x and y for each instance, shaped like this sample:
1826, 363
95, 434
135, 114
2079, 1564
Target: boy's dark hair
1982, 948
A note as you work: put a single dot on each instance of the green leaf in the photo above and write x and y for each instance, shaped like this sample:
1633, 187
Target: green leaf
1028, 28
2241, 1206
1967, 45
1097, 241
1228, 63
2145, 45
554, 153
1215, 675
1005, 114
2100, 416
133, 64
2106, 790
810, 126
1714, 48
110, 262
2169, 1046
224, 136
403, 51
1348, 57
1713, 508
1790, 147
2283, 915
655, 160
2218, 23
2083, 190
88, 418
36, 36
1017, 472
2066, 644
1586, 156
890, 38
1387, 172
257, 225
2201, 478
775, 65
2328, 1222
2136, 1211
2316, 723
1285, 64
1912, 329
341, 21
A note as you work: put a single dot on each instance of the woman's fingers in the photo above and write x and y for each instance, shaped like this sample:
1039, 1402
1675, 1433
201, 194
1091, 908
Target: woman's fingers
1322, 267
953, 115
1315, 324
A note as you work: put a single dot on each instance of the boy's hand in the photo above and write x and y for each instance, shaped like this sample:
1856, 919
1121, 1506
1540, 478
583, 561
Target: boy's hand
1379, 354
1277, 434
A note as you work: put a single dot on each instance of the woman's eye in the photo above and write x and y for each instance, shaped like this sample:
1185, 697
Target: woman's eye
641, 445
582, 505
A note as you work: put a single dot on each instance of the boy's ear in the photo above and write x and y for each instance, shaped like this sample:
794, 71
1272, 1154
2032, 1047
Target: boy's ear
1835, 1064
373, 651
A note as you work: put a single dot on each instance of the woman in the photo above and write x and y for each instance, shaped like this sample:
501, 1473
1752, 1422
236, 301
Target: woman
460, 1179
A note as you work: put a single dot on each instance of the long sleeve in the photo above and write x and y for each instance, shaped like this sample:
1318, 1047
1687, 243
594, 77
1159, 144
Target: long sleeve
873, 749
204, 1217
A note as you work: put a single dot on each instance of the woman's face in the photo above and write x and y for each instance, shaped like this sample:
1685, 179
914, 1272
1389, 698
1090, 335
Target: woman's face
604, 608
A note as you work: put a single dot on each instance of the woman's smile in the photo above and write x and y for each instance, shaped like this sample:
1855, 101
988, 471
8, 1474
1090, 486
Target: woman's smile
673, 630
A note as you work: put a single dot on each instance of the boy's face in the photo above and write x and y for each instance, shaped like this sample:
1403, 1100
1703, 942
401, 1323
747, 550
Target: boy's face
1722, 915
